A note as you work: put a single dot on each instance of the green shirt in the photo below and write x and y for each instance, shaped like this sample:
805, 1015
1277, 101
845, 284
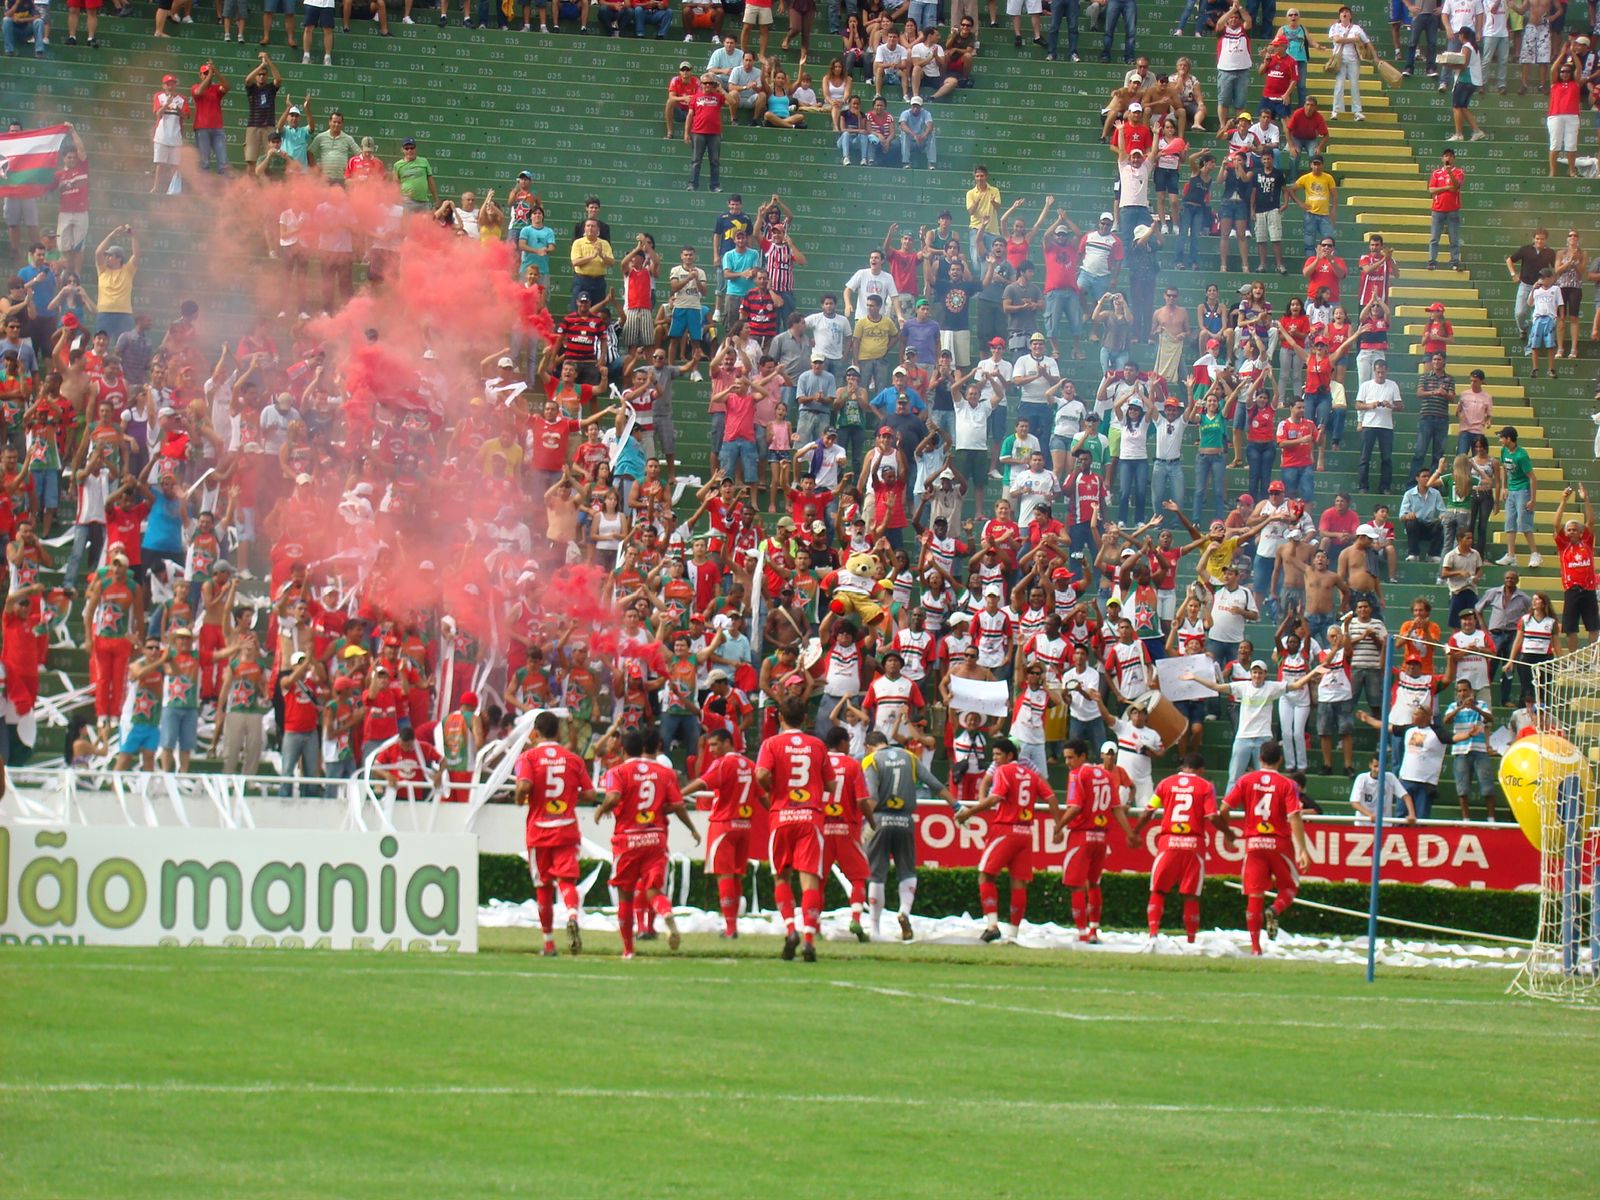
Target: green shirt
274, 165
1518, 468
333, 154
413, 179
1213, 432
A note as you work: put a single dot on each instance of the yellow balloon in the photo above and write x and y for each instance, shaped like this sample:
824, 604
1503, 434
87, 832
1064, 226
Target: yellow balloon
1532, 773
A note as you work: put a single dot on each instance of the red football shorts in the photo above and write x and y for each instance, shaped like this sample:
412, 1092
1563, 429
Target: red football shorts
91, 5
967, 789
1085, 861
639, 866
554, 862
1181, 869
727, 849
1268, 869
1011, 851
845, 850
796, 845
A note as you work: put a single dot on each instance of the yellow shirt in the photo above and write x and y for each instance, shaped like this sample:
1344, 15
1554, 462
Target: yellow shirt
1215, 557
1318, 192
116, 287
983, 209
583, 246
873, 338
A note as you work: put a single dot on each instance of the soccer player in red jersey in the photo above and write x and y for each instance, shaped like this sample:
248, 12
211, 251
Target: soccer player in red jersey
794, 769
643, 793
1015, 790
552, 781
1270, 804
1093, 800
1185, 801
848, 806
730, 777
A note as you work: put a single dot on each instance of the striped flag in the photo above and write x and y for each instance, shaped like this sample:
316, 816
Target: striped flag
28, 161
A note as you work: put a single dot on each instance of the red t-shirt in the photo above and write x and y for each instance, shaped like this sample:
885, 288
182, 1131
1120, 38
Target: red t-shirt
903, 270
551, 440
732, 779
1306, 127
1261, 423
1442, 177
300, 705
72, 185
1344, 523
1298, 455
123, 528
1020, 789
1577, 559
408, 767
1186, 800
801, 773
208, 105
1061, 267
1563, 98
844, 797
705, 113
646, 790
383, 714
1324, 276
740, 421
1281, 73
557, 779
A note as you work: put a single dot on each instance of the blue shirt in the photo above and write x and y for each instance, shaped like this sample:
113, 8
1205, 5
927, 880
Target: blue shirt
1424, 508
535, 244
737, 260
295, 141
163, 529
1458, 720
44, 291
884, 400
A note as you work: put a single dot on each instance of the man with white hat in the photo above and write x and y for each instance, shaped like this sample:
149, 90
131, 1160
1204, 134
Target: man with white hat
1255, 696
916, 130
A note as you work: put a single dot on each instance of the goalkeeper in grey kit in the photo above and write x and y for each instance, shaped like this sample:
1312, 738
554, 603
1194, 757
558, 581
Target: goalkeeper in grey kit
893, 775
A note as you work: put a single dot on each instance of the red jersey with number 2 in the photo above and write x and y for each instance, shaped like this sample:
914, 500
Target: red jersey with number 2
1265, 800
1186, 801
801, 773
557, 779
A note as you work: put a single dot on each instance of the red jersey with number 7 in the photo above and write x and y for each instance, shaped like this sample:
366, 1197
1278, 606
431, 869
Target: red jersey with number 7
1095, 792
1186, 800
1021, 789
647, 790
1265, 800
801, 773
843, 814
732, 779
557, 779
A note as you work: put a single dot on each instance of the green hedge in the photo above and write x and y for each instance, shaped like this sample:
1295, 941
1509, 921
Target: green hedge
946, 892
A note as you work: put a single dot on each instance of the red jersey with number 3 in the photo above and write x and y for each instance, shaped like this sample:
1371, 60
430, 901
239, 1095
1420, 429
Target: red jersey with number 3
843, 813
1021, 789
1095, 793
732, 779
1265, 800
801, 773
1186, 801
557, 779
647, 790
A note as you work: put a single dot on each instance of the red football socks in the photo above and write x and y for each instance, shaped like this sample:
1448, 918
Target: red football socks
1153, 911
1253, 914
1019, 905
569, 894
989, 898
625, 922
545, 895
810, 911
1094, 908
1285, 899
728, 901
783, 891
660, 907
1080, 911
1191, 918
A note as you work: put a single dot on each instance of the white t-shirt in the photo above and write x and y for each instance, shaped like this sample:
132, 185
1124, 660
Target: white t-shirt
1255, 707
1068, 418
972, 425
828, 468
1135, 438
887, 57
1424, 756
1097, 250
1350, 53
1169, 436
1386, 396
1135, 180
1035, 488
828, 334
1470, 667
1460, 14
1226, 626
1233, 49
1073, 681
864, 283
1365, 791
1130, 740
1033, 391
1494, 19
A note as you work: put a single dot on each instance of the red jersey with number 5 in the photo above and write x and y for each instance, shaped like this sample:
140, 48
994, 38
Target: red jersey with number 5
732, 779
557, 779
1186, 801
1095, 793
800, 773
843, 813
1020, 789
647, 790
1265, 799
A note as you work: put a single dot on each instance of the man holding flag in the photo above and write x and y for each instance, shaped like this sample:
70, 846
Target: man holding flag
28, 160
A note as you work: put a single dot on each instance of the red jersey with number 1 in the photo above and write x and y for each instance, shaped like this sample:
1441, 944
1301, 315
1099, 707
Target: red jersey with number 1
801, 774
1265, 800
1095, 793
1186, 801
732, 779
843, 814
557, 779
1021, 789
647, 790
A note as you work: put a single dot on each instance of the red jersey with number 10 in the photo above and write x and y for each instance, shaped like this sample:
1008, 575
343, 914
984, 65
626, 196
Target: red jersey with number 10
732, 779
843, 813
1266, 800
801, 773
1186, 801
1095, 793
557, 779
1020, 789
647, 790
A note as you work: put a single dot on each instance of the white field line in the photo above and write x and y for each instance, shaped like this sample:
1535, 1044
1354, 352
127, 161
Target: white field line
712, 1096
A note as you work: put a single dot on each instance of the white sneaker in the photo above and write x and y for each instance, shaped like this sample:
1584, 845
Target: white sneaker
688, 37
845, 160
409, 21
1510, 560
1535, 560
327, 60
1455, 137
1480, 136
305, 60
995, 474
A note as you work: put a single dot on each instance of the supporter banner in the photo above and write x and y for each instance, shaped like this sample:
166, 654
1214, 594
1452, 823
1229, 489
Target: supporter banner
110, 885
1170, 671
1438, 855
28, 161
990, 697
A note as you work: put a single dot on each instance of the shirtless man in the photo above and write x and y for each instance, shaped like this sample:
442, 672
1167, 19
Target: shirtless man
216, 601
1169, 326
1289, 572
1325, 594
1356, 576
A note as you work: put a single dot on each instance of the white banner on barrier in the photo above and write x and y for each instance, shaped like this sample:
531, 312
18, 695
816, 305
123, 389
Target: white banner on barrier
98, 885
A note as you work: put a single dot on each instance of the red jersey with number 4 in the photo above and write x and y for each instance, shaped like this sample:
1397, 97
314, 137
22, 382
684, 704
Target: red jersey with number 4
1021, 789
1265, 800
800, 773
843, 814
1186, 801
1577, 559
732, 779
1095, 793
647, 790
557, 779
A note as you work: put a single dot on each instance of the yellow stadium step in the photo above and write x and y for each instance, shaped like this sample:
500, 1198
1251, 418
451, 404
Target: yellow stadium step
1464, 333
1402, 219
1447, 294
1421, 310
1369, 153
1395, 182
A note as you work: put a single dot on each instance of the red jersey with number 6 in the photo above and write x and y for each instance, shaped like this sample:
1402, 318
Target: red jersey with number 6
557, 779
1186, 800
1021, 789
1266, 800
800, 773
1095, 793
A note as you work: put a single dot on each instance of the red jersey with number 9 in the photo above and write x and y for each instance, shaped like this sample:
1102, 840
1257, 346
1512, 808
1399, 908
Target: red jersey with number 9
1020, 789
647, 790
1265, 800
843, 812
1186, 800
557, 779
1095, 793
800, 773
732, 779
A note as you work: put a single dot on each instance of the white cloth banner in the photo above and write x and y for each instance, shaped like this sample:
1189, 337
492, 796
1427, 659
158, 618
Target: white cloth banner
1172, 685
990, 697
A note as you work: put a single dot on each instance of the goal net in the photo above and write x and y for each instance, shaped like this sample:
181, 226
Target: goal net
1565, 961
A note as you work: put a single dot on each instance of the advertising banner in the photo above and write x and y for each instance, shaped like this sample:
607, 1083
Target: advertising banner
99, 885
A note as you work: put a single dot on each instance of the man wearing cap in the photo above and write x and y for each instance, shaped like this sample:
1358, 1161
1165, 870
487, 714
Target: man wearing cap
916, 132
1444, 190
681, 91
1255, 697
1100, 254
180, 701
1035, 373
415, 177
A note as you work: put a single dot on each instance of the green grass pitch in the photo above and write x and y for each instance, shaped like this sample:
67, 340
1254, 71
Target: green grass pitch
880, 1071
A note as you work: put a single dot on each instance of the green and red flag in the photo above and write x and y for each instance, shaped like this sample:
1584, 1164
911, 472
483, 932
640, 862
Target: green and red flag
28, 161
